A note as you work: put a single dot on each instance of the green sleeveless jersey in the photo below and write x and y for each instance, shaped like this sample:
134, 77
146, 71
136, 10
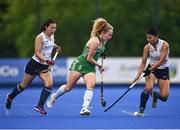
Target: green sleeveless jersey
82, 65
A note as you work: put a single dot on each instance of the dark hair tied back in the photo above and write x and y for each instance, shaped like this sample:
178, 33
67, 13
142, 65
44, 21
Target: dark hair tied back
47, 23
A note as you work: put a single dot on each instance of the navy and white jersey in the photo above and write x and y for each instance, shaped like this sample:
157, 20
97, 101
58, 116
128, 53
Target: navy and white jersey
154, 55
47, 47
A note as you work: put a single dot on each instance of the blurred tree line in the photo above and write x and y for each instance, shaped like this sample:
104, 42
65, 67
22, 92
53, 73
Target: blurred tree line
20, 22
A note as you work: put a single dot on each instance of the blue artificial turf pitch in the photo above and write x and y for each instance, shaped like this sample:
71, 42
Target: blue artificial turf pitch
65, 113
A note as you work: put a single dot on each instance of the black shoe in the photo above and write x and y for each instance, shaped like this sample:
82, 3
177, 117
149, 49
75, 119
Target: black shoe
154, 99
40, 110
8, 102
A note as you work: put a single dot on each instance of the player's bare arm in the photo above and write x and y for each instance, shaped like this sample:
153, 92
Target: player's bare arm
93, 45
38, 46
143, 61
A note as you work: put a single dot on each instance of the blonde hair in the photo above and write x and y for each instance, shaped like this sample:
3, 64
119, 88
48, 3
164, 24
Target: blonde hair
100, 25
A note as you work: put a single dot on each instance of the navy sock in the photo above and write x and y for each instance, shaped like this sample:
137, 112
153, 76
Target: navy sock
17, 90
44, 95
159, 97
143, 100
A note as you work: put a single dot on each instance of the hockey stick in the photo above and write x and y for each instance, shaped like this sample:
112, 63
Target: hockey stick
103, 102
125, 93
54, 58
55, 55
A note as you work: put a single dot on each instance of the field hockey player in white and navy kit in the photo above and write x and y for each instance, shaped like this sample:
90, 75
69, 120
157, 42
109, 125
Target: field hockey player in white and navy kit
158, 69
39, 65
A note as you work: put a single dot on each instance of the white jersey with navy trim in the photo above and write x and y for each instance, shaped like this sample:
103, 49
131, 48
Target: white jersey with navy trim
154, 55
47, 47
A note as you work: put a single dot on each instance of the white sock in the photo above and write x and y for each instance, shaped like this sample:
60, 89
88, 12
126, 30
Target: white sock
87, 97
59, 92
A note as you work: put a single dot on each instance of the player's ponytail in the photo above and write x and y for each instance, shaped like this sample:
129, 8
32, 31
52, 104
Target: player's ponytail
100, 25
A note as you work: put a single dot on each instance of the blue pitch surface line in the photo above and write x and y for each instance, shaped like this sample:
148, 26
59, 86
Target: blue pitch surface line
65, 113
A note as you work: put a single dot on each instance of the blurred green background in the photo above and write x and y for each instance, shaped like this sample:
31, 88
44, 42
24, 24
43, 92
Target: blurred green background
20, 22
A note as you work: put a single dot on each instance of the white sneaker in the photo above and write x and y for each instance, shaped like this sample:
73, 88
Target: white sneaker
51, 101
85, 111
